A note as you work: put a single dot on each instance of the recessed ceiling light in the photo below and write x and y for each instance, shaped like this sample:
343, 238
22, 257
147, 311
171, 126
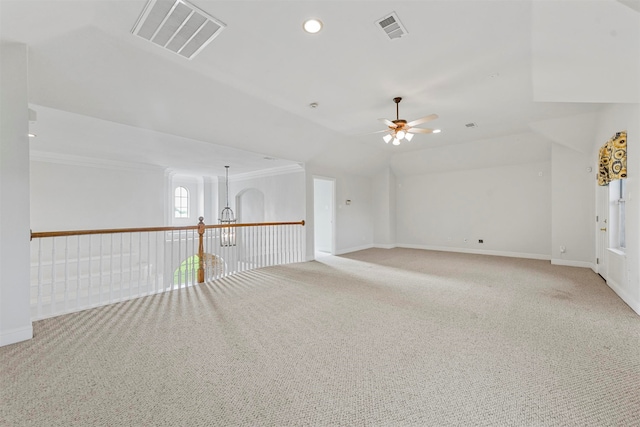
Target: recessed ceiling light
437, 131
312, 26
32, 135
313, 105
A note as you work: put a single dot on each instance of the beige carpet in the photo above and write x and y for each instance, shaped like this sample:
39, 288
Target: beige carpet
376, 338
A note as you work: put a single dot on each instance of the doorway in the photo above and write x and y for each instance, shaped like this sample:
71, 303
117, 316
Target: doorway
323, 216
602, 230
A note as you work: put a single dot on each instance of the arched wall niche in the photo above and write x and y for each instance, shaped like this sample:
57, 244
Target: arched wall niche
250, 206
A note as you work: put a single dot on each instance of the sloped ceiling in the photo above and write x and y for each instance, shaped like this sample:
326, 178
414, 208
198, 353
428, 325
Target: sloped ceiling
633, 4
587, 51
575, 132
250, 89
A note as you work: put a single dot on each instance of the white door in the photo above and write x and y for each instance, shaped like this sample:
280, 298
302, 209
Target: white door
602, 229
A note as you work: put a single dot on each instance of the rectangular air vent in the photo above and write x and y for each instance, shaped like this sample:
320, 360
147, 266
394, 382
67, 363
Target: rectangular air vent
178, 26
471, 125
392, 26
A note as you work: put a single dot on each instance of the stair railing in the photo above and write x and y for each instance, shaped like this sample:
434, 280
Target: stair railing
80, 269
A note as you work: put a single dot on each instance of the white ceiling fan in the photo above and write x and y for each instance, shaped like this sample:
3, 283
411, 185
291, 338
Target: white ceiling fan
400, 129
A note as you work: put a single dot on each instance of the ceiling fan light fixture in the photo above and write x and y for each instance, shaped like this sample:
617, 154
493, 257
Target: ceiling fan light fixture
312, 26
400, 129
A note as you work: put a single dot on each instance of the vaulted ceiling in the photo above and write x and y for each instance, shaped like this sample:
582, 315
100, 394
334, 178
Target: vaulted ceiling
507, 66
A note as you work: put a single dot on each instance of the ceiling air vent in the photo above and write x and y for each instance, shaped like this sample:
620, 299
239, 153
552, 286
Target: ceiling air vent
178, 26
471, 125
392, 26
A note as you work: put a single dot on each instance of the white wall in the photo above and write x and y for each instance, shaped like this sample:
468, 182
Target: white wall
509, 207
210, 202
614, 118
83, 196
15, 319
384, 208
323, 214
573, 207
283, 194
354, 223
250, 206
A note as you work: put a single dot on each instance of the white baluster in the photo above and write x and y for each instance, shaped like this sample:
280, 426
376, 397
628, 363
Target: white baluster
271, 244
148, 262
156, 265
110, 267
130, 281
121, 275
66, 273
100, 271
39, 278
89, 289
52, 291
171, 262
139, 261
78, 268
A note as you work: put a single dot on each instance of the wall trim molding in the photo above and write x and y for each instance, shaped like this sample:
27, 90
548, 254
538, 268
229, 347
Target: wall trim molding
353, 249
509, 254
624, 296
571, 263
542, 257
16, 335
268, 172
68, 159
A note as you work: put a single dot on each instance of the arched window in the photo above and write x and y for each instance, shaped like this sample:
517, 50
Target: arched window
181, 203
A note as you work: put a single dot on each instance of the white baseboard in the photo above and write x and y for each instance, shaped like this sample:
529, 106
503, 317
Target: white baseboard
570, 263
477, 251
354, 249
624, 296
15, 335
381, 246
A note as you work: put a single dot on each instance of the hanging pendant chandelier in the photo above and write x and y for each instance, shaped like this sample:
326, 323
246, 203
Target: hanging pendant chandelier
227, 234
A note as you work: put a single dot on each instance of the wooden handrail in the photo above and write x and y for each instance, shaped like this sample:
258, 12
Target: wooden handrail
255, 224
42, 234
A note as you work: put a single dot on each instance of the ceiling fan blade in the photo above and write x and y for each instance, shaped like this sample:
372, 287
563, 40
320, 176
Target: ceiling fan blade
423, 120
379, 131
388, 123
420, 130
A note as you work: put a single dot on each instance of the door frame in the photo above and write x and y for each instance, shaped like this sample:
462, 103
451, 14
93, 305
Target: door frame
332, 209
602, 230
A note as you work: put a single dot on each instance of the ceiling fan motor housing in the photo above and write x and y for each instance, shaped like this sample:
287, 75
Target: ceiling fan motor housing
400, 123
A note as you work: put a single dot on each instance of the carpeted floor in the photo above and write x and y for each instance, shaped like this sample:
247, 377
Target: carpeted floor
379, 337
